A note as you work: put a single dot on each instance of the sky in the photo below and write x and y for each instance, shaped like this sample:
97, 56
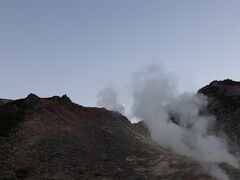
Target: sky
77, 47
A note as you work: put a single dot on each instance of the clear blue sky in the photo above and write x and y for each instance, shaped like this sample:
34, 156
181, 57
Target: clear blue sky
52, 47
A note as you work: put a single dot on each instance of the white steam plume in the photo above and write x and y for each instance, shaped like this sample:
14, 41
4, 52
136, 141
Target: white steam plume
175, 120
108, 98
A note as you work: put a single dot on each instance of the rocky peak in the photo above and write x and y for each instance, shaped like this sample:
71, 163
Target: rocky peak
224, 104
226, 87
66, 99
32, 96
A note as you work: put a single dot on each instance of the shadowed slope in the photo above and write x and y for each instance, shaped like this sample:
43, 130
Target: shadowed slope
56, 139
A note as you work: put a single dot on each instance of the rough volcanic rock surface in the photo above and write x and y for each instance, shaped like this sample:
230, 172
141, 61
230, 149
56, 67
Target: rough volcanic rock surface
53, 138
224, 103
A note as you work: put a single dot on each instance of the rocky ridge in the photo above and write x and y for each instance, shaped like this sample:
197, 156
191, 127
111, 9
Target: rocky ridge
54, 138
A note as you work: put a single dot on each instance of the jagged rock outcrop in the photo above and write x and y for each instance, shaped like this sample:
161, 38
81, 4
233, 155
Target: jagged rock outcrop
224, 103
53, 138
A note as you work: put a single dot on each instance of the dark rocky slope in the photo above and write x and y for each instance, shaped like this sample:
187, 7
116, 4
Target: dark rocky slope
4, 101
53, 138
224, 103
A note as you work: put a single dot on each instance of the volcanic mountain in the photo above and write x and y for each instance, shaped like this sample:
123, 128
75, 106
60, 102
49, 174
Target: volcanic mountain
224, 103
54, 138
